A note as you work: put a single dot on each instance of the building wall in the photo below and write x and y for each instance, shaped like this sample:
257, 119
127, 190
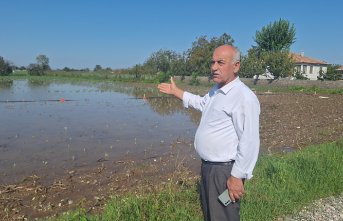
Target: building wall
311, 71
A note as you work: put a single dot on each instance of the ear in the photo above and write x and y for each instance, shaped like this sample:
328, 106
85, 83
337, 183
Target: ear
236, 67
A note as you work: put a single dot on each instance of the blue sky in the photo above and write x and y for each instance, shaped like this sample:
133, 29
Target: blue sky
120, 34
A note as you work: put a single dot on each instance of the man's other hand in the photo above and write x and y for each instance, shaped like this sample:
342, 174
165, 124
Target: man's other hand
235, 187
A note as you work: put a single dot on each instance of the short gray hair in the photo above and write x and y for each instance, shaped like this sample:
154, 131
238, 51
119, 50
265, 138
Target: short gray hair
237, 55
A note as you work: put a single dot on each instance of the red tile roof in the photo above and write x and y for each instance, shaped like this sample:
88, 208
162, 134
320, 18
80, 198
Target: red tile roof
298, 58
340, 68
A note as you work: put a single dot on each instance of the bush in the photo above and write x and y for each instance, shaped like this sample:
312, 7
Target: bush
194, 80
5, 67
162, 77
300, 76
35, 70
332, 74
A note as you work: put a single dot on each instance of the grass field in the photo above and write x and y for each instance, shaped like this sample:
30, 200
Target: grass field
281, 185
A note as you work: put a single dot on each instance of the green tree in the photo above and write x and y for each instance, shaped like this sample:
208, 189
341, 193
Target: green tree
179, 66
35, 69
97, 68
277, 36
43, 61
272, 50
66, 69
5, 67
279, 63
160, 61
200, 55
252, 65
331, 74
136, 71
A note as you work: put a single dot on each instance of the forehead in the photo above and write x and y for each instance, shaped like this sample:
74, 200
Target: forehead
222, 54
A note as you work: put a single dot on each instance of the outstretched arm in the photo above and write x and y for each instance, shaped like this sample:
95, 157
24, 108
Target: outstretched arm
171, 89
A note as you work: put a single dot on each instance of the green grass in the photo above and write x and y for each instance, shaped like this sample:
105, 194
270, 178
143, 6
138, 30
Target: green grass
281, 185
286, 183
171, 203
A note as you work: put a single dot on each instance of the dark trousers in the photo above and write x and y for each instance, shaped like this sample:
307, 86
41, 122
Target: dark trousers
213, 183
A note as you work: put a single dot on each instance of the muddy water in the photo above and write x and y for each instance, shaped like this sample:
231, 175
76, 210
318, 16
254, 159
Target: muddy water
40, 133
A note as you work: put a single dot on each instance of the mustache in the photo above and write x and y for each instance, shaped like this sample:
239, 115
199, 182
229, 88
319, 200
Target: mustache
213, 74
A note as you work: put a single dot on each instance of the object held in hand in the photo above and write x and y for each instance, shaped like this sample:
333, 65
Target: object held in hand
224, 198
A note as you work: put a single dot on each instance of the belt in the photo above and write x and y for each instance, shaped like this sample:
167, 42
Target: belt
217, 163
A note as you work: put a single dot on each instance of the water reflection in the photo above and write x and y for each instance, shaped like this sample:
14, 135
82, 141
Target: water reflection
159, 103
38, 83
104, 121
171, 105
6, 83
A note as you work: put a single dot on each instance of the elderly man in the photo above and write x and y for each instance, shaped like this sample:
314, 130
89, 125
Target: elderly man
227, 139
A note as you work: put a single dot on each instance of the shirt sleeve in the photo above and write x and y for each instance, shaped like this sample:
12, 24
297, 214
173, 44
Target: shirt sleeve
246, 123
195, 101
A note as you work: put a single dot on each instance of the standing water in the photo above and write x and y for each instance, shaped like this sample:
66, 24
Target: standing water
52, 127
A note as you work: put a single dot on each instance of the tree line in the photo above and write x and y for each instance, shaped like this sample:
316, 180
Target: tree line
270, 54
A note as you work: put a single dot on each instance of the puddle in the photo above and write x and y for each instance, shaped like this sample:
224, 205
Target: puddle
42, 134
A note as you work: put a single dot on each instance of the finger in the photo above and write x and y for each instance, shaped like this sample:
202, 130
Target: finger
163, 85
172, 80
232, 197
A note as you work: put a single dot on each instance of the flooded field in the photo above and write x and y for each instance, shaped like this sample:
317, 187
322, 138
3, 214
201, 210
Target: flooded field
47, 128
63, 145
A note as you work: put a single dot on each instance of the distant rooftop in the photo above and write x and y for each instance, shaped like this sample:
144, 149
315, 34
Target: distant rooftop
300, 58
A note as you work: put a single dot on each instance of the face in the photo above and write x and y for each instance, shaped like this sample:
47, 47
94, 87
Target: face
223, 69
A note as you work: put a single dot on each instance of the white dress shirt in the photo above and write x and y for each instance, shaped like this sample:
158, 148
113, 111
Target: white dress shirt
229, 126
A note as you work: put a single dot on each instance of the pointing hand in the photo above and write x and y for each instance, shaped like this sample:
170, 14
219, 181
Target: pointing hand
167, 88
171, 89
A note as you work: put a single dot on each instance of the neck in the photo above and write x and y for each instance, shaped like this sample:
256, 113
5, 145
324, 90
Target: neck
220, 85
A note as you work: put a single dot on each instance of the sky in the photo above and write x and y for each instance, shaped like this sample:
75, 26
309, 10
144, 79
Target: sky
120, 34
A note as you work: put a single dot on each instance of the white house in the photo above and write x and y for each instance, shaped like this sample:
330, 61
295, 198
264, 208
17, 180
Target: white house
309, 67
340, 70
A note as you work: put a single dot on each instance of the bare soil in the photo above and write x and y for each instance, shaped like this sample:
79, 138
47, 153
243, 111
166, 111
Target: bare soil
289, 121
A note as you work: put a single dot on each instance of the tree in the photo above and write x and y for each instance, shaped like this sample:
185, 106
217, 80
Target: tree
331, 74
279, 63
300, 75
40, 67
97, 68
200, 55
179, 66
35, 69
66, 69
5, 67
160, 61
43, 62
277, 36
136, 71
272, 50
251, 64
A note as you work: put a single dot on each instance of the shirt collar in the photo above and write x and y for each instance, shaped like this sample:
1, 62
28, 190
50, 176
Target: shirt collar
226, 88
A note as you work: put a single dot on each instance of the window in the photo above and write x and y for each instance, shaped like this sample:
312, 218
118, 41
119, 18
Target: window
298, 68
305, 69
311, 69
